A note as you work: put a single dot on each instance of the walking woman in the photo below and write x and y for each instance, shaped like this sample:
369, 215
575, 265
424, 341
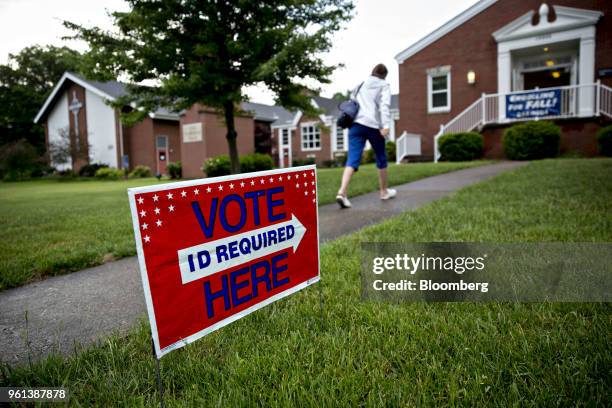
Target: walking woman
371, 124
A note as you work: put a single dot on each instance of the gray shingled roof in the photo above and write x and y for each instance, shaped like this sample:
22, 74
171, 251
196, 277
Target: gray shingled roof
115, 89
276, 115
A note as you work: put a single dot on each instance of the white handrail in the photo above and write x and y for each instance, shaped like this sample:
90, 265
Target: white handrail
408, 144
400, 148
605, 100
576, 100
468, 120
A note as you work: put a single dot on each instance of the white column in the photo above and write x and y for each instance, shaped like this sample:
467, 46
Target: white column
504, 79
586, 75
281, 149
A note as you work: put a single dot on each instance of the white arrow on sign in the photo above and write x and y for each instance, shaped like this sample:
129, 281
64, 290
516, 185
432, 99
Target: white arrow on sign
206, 259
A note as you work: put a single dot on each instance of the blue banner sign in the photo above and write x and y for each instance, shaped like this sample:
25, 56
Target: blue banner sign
533, 104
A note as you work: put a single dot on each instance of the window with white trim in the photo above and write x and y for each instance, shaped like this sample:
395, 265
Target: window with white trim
311, 137
340, 138
439, 89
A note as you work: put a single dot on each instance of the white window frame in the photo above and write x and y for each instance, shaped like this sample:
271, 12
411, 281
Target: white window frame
337, 129
438, 72
317, 128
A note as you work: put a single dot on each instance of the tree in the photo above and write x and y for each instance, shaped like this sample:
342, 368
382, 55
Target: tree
67, 148
339, 96
207, 52
25, 82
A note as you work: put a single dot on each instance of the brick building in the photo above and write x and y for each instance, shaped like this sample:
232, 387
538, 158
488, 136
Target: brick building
462, 75
79, 107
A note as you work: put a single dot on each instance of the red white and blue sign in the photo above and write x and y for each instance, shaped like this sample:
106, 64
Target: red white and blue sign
535, 104
214, 250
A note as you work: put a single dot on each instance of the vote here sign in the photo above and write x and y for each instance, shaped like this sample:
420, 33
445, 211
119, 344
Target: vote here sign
214, 250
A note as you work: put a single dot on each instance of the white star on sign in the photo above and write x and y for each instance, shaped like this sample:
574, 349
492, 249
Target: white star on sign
271, 180
208, 189
242, 184
305, 192
280, 178
313, 191
305, 184
231, 186
196, 191
143, 213
297, 185
171, 208
312, 182
155, 197
158, 222
305, 174
314, 200
297, 175
147, 238
252, 182
220, 187
262, 181
289, 177
170, 195
145, 226
140, 200
183, 193
156, 210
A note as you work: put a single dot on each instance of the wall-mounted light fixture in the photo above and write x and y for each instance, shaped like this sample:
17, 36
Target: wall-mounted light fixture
471, 77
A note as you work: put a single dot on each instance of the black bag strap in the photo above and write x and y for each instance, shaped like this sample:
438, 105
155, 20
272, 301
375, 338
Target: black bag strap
357, 91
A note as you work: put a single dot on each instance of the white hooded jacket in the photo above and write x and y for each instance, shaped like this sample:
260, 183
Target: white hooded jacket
374, 98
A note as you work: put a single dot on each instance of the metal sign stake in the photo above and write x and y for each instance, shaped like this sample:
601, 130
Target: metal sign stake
160, 386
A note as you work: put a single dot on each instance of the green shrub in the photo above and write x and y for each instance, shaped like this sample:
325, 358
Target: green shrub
109, 173
463, 146
604, 141
140, 171
303, 162
18, 160
89, 170
220, 165
67, 174
390, 147
330, 163
175, 170
369, 156
341, 159
532, 141
217, 166
255, 162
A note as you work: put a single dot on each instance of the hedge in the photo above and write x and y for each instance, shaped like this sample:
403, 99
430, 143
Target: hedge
140, 171
462, 146
532, 140
220, 165
175, 170
604, 141
109, 173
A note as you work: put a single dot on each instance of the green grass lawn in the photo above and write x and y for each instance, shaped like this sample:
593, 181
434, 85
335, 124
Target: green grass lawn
51, 227
366, 353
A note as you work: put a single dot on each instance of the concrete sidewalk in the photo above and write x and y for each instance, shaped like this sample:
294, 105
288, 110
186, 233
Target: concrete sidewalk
85, 306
